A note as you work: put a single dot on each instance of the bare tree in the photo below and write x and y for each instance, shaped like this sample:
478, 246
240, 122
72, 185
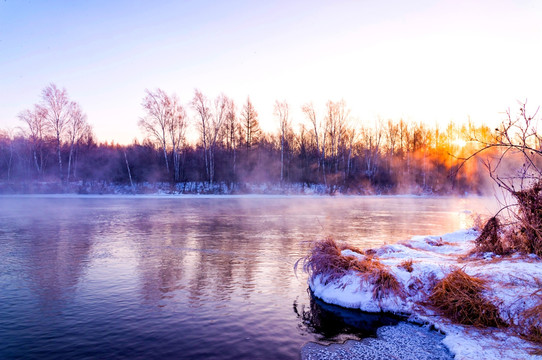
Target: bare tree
320, 135
221, 113
514, 163
251, 124
155, 123
6, 144
36, 132
176, 128
372, 139
57, 105
231, 133
76, 127
200, 104
281, 112
337, 116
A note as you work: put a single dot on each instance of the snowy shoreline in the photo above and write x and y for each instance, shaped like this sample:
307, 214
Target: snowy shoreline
204, 188
512, 283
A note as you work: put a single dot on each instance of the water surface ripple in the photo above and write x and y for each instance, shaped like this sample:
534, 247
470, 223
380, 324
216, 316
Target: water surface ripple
187, 277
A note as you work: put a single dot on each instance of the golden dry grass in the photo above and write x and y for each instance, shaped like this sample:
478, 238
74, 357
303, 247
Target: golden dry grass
530, 324
458, 296
386, 284
407, 265
326, 260
351, 248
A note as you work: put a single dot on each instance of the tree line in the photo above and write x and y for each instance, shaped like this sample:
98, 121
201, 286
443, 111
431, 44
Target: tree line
55, 143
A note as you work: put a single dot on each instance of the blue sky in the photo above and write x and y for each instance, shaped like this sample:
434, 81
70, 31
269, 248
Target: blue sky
431, 61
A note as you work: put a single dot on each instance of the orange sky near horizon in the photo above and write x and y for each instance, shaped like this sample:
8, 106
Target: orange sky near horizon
430, 61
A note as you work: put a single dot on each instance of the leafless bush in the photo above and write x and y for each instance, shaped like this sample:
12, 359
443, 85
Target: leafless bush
516, 141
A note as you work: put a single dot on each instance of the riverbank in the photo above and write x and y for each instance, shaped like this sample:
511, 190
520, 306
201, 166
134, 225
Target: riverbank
407, 274
203, 188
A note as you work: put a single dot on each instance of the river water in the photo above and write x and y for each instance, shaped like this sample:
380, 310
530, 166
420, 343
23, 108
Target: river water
188, 277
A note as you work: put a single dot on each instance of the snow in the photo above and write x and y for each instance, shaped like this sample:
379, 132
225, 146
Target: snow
403, 341
512, 283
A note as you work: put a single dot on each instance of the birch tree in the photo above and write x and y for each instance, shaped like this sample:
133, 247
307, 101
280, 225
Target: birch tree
176, 127
200, 104
57, 105
281, 112
36, 132
319, 137
155, 123
76, 127
231, 134
221, 112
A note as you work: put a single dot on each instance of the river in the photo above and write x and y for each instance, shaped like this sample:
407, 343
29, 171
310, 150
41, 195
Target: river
189, 277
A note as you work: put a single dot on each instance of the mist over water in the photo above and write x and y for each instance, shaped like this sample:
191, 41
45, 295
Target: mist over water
187, 277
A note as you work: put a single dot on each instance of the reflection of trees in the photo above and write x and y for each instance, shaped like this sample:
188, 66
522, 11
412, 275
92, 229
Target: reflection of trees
57, 252
200, 247
332, 322
160, 263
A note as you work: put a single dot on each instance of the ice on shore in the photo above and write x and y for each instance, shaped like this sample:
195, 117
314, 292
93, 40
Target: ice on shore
512, 283
404, 341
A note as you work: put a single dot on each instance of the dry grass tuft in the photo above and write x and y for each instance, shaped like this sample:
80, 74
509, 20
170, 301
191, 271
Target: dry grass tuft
351, 248
438, 242
459, 297
386, 284
531, 324
326, 260
407, 265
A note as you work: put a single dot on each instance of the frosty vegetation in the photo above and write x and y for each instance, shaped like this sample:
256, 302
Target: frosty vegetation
54, 150
487, 306
483, 286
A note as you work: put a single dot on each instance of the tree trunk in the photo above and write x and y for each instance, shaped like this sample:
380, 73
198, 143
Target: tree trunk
128, 168
282, 160
59, 160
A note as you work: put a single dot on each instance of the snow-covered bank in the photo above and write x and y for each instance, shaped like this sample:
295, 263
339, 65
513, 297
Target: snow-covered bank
513, 286
200, 188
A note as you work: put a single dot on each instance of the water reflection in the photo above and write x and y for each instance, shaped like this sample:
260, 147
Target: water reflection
190, 278
54, 260
332, 324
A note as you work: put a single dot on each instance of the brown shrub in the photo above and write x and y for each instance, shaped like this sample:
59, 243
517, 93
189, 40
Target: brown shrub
407, 265
459, 297
478, 222
489, 239
386, 284
326, 260
531, 324
524, 234
530, 217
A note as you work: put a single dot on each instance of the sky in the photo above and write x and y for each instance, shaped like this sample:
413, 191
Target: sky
430, 61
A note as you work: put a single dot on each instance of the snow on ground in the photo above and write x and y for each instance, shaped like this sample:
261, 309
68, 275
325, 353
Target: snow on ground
512, 283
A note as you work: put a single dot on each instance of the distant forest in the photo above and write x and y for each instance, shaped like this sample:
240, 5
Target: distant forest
54, 150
